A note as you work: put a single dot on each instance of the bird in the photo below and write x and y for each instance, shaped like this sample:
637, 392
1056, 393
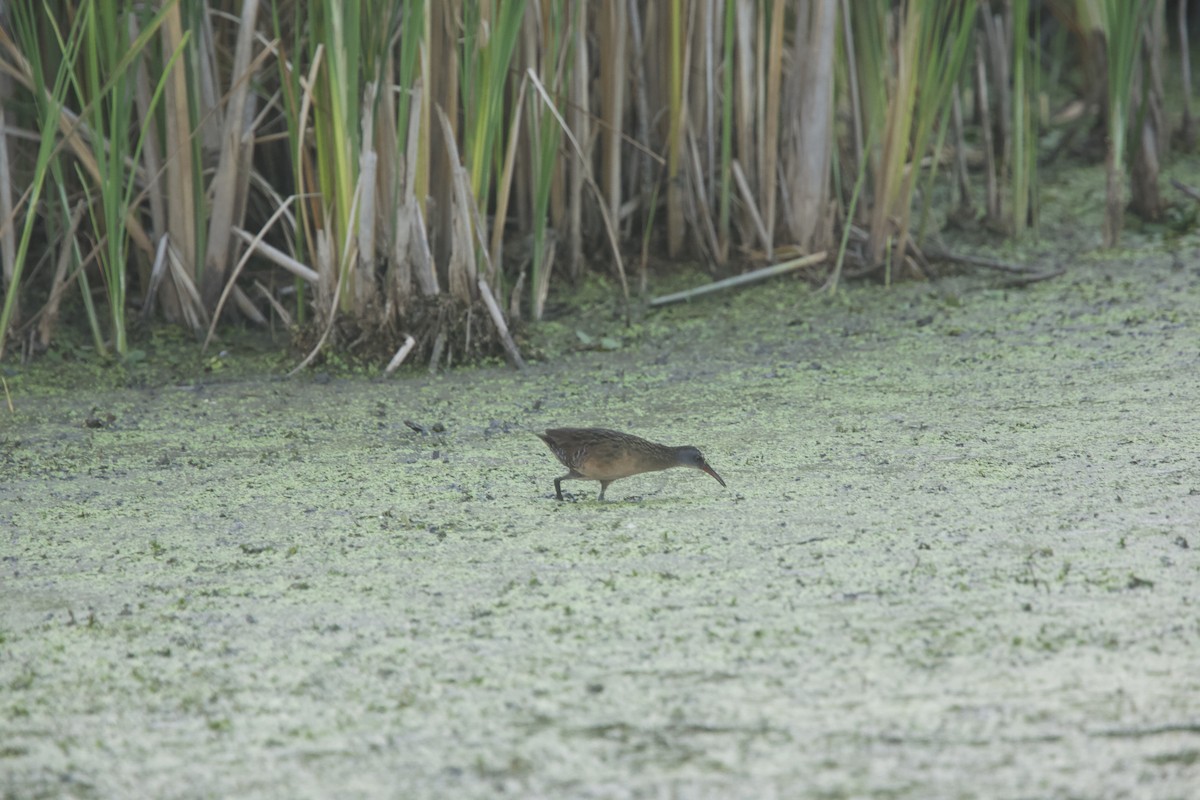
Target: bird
600, 454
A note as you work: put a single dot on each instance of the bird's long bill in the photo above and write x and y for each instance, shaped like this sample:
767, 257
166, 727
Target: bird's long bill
713, 472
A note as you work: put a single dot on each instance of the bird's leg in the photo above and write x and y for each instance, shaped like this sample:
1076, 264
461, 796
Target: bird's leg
558, 486
603, 486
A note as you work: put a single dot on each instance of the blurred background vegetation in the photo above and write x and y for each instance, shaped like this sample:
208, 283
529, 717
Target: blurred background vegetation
410, 177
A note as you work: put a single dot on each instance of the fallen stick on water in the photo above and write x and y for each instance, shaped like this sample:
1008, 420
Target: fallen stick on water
738, 280
1188, 190
936, 252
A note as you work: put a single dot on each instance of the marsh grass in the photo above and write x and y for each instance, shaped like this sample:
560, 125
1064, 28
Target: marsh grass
352, 168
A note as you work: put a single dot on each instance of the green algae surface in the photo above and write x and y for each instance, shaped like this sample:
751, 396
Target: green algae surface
958, 556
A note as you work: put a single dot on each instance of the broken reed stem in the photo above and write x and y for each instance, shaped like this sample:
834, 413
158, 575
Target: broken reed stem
743, 185
510, 347
401, 354
300, 270
738, 280
231, 281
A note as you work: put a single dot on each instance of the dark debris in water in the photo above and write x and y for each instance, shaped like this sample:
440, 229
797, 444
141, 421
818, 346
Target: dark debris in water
98, 420
425, 430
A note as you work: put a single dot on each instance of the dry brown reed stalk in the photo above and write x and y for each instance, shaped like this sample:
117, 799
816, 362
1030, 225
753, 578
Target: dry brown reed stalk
1147, 100
461, 270
58, 285
645, 170
181, 171
808, 138
770, 122
152, 163
231, 181
504, 190
412, 246
966, 205
744, 122
752, 207
609, 225
675, 71
362, 266
468, 219
991, 181
231, 282
613, 37
187, 296
701, 89
703, 228
444, 91
581, 125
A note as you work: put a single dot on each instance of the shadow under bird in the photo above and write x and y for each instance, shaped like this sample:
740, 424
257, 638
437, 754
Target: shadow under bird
598, 454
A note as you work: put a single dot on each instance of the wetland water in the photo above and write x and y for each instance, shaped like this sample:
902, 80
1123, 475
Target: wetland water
958, 556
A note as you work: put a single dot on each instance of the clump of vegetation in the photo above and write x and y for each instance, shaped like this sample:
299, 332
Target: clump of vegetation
406, 172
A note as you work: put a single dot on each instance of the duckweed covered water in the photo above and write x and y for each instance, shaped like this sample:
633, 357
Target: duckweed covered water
958, 556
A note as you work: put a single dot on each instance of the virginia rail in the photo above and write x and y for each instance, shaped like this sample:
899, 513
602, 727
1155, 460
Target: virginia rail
598, 454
